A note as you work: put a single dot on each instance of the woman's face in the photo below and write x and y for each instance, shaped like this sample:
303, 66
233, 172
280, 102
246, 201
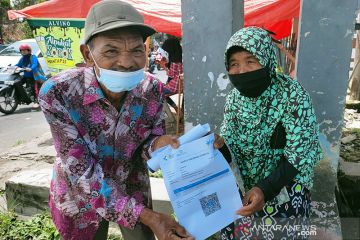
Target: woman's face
242, 62
24, 52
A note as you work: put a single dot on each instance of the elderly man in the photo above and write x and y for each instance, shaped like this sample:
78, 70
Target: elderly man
105, 120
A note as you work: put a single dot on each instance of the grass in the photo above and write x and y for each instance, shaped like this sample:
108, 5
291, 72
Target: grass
18, 142
356, 131
349, 152
157, 174
114, 237
39, 227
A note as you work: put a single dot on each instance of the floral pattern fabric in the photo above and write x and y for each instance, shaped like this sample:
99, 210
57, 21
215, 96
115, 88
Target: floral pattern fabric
250, 122
100, 170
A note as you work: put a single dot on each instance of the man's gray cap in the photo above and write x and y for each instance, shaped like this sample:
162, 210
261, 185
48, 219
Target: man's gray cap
111, 14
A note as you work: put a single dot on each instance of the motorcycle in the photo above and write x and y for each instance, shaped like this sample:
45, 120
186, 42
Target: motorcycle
152, 62
13, 90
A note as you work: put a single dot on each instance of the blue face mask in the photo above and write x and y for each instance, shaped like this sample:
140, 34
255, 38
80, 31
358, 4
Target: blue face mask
116, 81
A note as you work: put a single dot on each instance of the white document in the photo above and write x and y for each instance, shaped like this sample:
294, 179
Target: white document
195, 133
201, 186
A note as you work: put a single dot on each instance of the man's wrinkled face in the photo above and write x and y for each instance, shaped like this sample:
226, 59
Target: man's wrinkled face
119, 51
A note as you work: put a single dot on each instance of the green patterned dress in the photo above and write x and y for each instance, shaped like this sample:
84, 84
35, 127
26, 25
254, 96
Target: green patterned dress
247, 129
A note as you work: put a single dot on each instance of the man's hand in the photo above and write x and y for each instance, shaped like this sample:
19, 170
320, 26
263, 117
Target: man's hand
27, 69
219, 142
165, 140
253, 202
164, 227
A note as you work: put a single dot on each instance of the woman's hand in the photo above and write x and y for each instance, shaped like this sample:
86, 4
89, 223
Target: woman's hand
218, 142
253, 202
164, 140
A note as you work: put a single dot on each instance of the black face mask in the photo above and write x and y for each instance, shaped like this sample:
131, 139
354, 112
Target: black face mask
251, 84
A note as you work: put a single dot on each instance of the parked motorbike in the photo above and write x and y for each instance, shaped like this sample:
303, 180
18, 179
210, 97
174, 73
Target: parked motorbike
152, 62
13, 91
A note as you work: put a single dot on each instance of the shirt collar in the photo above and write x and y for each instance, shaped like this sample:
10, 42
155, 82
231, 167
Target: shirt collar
93, 91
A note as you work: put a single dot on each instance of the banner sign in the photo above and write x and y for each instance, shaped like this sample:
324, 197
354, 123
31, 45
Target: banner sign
59, 41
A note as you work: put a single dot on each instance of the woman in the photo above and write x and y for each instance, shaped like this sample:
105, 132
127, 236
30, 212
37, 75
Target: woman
173, 67
33, 74
270, 128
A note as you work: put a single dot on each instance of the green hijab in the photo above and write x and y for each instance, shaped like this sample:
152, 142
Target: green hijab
249, 123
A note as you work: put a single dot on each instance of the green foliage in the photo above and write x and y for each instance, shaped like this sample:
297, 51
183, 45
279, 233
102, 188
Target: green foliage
114, 237
20, 4
39, 227
14, 30
157, 174
18, 142
174, 216
25, 29
5, 4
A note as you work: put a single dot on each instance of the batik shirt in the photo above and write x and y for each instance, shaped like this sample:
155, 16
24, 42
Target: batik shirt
250, 122
100, 170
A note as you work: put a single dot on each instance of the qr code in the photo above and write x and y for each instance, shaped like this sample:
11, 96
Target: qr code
210, 204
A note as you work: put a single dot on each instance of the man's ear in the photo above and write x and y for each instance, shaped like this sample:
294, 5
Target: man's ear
86, 55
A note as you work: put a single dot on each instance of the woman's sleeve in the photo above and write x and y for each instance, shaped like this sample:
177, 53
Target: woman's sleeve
19, 64
302, 148
34, 63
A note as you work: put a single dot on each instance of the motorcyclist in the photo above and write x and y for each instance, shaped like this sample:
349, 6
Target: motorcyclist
31, 66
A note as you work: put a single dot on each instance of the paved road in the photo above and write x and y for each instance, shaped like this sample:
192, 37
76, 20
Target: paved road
26, 124
23, 125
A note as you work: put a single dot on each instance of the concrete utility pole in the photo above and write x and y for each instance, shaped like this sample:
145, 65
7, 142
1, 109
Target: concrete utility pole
207, 27
324, 50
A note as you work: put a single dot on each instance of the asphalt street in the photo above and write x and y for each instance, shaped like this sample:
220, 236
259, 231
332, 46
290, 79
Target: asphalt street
22, 126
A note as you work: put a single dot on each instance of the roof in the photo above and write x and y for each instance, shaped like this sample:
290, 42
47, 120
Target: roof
165, 15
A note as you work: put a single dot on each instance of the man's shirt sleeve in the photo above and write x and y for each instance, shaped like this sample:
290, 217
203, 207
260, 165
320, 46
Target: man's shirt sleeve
158, 128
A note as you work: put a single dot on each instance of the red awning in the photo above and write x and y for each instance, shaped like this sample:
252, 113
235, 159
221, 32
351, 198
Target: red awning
273, 15
165, 15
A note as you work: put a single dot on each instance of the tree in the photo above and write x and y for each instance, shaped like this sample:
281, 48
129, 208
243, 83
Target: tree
4, 6
14, 30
